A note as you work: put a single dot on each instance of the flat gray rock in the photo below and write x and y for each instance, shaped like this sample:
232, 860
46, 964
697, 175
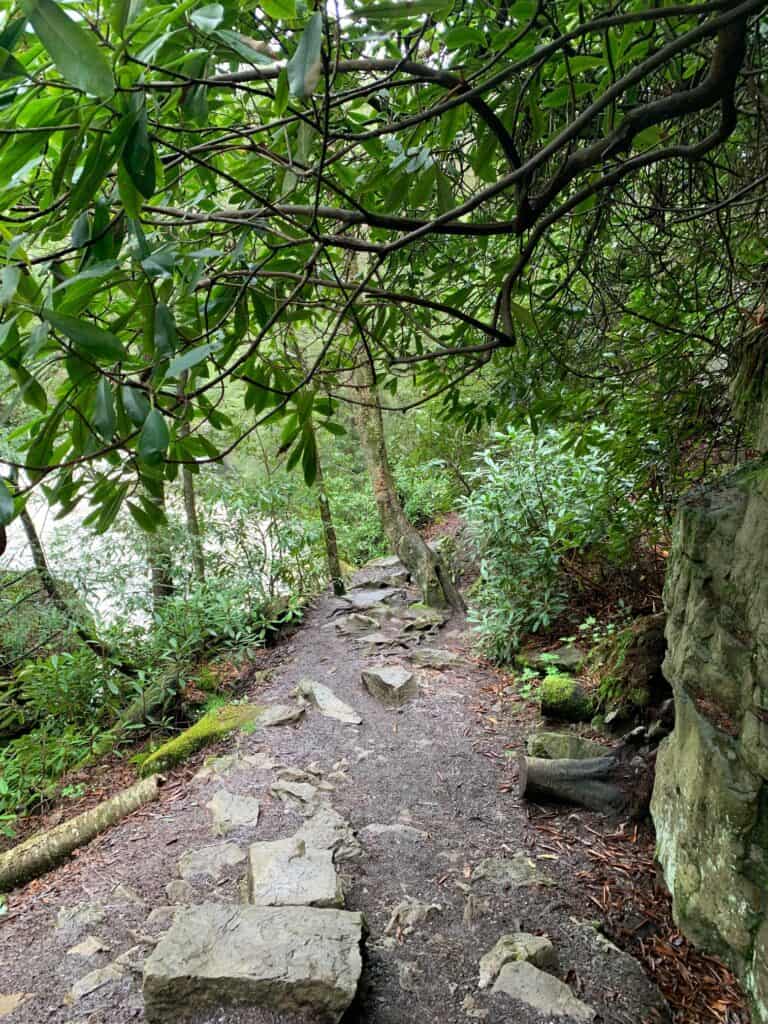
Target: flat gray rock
80, 917
327, 830
90, 946
94, 980
391, 685
364, 598
434, 657
212, 861
397, 832
408, 914
516, 946
288, 873
303, 795
510, 872
180, 891
289, 959
557, 745
627, 967
232, 811
279, 714
327, 703
543, 993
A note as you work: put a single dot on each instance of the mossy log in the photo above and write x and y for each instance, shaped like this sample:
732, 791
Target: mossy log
616, 784
564, 699
45, 850
208, 729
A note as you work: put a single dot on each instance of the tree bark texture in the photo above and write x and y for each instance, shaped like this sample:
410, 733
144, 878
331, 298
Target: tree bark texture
425, 567
43, 851
329, 530
617, 784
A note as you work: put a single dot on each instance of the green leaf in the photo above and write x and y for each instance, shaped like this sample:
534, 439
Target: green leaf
165, 330
283, 10
11, 34
282, 93
104, 411
190, 359
143, 518
139, 157
30, 390
7, 505
130, 196
306, 64
73, 49
333, 428
522, 315
9, 282
92, 340
98, 163
10, 67
455, 38
153, 439
400, 9
309, 457
135, 403
243, 47
207, 18
445, 200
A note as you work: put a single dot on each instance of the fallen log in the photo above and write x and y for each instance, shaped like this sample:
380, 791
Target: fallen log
619, 783
44, 850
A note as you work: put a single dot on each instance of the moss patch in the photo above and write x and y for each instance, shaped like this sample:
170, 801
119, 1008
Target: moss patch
563, 698
208, 729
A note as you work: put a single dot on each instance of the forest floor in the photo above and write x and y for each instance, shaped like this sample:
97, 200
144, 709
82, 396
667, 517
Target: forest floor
443, 765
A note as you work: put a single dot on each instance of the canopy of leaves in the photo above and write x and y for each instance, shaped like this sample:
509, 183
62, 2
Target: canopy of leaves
555, 198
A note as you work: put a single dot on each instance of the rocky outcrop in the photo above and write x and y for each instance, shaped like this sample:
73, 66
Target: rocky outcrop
710, 802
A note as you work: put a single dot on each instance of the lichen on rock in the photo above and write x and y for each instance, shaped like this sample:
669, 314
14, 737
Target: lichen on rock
710, 801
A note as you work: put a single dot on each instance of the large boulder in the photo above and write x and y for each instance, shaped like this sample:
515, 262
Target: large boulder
710, 801
289, 959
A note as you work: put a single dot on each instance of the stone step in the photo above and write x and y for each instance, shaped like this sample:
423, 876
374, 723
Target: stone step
288, 873
288, 959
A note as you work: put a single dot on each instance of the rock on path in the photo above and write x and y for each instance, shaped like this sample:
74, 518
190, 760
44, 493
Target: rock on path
288, 959
287, 872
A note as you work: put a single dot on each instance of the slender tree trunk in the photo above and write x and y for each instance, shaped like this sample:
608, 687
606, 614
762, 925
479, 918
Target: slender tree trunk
329, 530
41, 563
193, 524
50, 586
423, 564
190, 501
160, 558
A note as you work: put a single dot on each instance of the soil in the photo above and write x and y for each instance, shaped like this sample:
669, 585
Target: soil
444, 764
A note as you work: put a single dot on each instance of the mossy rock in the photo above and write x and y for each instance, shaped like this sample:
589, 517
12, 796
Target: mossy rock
208, 729
564, 699
560, 745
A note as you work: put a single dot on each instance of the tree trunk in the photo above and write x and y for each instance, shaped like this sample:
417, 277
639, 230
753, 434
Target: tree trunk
41, 563
49, 585
39, 854
619, 783
190, 501
423, 564
160, 558
329, 531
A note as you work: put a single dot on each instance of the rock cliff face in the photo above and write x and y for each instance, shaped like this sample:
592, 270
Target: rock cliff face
710, 802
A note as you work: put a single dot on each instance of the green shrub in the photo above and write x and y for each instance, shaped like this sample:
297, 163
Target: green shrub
534, 501
31, 765
75, 687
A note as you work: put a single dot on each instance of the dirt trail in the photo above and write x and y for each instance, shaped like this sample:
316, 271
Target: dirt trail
430, 765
